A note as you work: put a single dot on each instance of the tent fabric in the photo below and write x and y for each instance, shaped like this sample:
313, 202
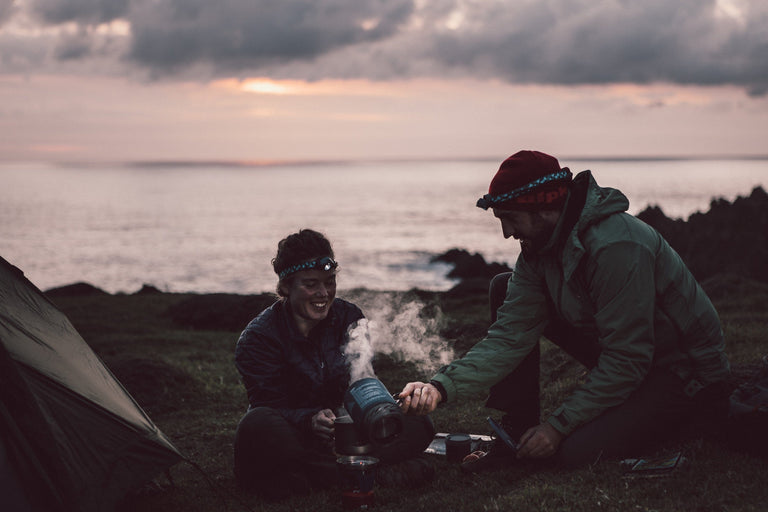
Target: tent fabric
24, 477
13, 497
73, 437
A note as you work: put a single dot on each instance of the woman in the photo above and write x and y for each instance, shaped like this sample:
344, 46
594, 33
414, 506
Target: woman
291, 361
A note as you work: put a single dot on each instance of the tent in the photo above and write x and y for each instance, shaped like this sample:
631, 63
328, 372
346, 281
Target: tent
71, 437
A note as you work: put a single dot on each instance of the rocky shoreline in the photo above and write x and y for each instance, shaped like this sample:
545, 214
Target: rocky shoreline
731, 239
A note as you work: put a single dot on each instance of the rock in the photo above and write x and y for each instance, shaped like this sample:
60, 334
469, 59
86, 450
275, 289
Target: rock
730, 238
75, 290
148, 289
470, 266
469, 287
219, 311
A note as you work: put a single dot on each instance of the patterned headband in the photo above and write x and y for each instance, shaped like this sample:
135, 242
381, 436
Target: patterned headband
325, 263
488, 201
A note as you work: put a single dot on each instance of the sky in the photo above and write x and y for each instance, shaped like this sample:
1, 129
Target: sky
274, 80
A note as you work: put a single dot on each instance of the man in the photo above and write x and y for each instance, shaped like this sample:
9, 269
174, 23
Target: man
612, 293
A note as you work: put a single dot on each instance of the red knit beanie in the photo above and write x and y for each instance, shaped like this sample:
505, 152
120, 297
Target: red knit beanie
528, 180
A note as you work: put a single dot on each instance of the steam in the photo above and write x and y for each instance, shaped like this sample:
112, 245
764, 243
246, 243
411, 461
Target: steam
400, 326
359, 351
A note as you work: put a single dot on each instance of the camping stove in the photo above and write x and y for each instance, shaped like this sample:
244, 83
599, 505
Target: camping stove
375, 417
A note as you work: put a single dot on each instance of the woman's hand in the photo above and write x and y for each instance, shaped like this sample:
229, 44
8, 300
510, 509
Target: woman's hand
322, 424
419, 398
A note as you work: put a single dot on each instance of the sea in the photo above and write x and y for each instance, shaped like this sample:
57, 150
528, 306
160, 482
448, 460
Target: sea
214, 227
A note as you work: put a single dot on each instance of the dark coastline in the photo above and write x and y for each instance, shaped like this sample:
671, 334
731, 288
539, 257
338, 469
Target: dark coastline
730, 238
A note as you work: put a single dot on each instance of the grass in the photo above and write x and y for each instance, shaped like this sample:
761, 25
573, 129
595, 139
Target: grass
186, 381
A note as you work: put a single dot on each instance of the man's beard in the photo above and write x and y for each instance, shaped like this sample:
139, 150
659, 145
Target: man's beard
530, 247
525, 248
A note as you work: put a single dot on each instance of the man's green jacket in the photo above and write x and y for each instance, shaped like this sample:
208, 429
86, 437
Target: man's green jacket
604, 272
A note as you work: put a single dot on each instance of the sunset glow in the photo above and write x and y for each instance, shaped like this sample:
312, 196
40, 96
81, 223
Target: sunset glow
658, 95
266, 86
731, 9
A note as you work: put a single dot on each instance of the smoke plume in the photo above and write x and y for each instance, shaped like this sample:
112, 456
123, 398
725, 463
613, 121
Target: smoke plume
400, 326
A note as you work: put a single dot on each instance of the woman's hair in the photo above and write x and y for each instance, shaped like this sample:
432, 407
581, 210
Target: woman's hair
297, 248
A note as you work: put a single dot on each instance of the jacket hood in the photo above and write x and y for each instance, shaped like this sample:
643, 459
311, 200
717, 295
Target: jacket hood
598, 203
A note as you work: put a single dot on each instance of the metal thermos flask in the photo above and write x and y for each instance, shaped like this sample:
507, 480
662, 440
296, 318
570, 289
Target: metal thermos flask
374, 411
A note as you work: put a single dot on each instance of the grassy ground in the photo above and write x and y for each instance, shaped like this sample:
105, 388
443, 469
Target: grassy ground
185, 379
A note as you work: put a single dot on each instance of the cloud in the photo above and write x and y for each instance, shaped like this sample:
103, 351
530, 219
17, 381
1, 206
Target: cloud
704, 42
232, 35
73, 47
594, 42
6, 10
86, 12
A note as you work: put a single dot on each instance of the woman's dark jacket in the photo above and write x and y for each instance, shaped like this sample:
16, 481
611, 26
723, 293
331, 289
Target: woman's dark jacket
294, 374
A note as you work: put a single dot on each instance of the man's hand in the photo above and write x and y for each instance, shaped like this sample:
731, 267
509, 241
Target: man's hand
322, 424
419, 398
539, 442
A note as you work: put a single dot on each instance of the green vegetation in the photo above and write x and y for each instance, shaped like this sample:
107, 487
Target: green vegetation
185, 379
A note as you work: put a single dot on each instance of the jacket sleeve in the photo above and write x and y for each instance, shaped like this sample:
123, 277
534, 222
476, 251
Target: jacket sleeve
259, 360
621, 285
518, 327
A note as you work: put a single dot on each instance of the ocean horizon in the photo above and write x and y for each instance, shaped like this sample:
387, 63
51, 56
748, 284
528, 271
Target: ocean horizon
281, 162
210, 227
